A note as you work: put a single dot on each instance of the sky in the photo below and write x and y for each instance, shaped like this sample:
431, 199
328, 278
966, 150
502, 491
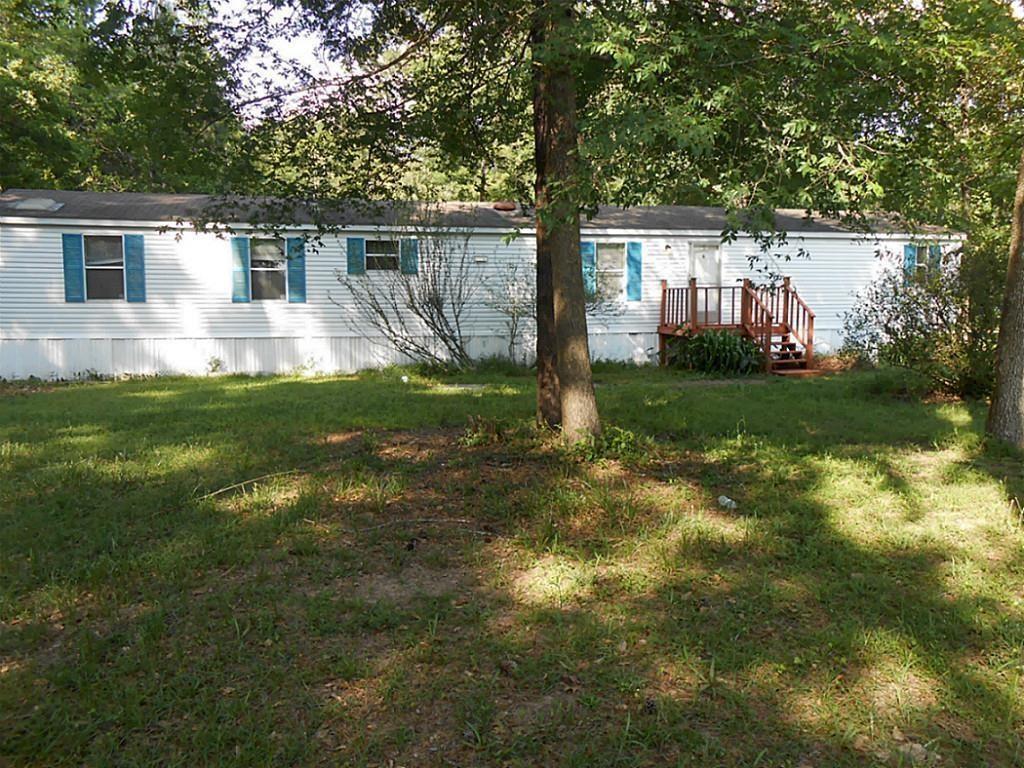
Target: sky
301, 49
304, 51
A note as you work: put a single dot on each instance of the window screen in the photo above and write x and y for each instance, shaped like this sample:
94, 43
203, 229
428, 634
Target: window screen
268, 269
382, 255
611, 268
104, 267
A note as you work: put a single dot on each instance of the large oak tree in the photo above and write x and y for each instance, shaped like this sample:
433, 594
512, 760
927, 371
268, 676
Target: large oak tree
751, 104
1006, 415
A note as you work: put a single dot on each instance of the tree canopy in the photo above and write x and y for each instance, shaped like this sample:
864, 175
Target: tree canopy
826, 105
116, 96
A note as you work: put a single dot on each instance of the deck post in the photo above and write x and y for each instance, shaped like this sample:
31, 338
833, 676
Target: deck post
662, 344
693, 304
745, 304
785, 304
809, 351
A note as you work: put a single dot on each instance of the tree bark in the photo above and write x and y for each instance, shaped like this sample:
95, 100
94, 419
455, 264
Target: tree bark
549, 407
1006, 414
558, 219
549, 404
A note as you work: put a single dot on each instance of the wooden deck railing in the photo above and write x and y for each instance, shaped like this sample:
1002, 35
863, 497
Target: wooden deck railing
759, 312
759, 322
798, 318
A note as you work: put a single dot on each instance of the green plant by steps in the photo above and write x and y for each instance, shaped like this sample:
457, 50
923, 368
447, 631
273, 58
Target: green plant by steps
715, 352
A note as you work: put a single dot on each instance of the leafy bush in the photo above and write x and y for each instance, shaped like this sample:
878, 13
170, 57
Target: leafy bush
502, 366
486, 431
715, 351
899, 383
939, 324
613, 443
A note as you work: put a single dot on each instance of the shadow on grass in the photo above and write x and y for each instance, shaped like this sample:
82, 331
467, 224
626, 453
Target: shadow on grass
410, 596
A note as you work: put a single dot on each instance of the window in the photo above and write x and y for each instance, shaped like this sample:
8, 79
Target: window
921, 259
382, 255
918, 260
269, 282
611, 269
104, 267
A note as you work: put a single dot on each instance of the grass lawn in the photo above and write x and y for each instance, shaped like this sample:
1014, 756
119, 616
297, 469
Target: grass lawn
432, 583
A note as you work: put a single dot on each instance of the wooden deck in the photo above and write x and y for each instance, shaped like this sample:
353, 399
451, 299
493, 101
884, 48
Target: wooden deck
774, 317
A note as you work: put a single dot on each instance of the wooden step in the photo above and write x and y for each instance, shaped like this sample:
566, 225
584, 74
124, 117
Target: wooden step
796, 354
787, 353
798, 373
788, 365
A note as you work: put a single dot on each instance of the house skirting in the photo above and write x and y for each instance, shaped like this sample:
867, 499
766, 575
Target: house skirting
72, 358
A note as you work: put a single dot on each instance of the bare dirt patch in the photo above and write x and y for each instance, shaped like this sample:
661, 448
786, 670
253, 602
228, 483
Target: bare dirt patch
409, 583
29, 387
716, 383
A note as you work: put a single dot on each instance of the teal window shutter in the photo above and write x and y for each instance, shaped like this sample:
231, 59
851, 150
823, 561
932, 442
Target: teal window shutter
410, 257
356, 255
74, 268
934, 257
296, 250
134, 268
240, 287
634, 271
588, 254
909, 258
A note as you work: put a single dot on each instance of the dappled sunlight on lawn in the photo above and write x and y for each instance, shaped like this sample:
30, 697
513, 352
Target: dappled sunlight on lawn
352, 570
553, 581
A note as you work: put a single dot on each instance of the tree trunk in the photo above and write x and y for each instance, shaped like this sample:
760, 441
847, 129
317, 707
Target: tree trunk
1006, 415
549, 408
558, 227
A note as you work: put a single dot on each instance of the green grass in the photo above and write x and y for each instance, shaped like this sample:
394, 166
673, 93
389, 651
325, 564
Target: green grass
432, 582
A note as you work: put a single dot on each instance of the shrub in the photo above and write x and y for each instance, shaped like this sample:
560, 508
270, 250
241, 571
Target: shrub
482, 430
899, 383
613, 443
501, 366
715, 351
933, 324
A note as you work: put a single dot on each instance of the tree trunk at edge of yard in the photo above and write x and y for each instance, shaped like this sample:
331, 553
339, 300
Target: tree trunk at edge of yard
549, 408
1006, 414
549, 405
559, 235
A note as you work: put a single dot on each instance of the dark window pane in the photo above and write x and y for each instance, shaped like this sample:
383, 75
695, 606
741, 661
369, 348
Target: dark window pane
103, 251
382, 247
609, 283
611, 255
104, 283
267, 253
382, 262
267, 285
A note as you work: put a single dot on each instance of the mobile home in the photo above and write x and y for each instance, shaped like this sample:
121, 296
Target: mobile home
119, 283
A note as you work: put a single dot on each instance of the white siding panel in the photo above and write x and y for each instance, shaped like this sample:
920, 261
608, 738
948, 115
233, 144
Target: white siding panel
77, 358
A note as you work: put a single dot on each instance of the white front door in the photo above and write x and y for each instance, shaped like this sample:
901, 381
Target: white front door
706, 266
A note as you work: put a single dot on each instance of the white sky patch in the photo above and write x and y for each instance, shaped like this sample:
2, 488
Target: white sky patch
273, 71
